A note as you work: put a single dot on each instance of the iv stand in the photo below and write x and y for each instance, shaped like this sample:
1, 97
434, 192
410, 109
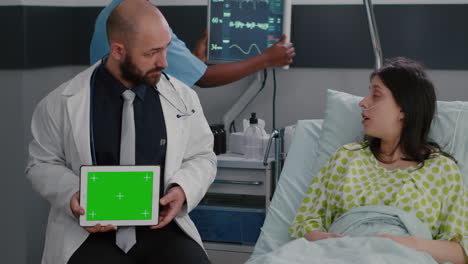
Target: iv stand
378, 54
277, 135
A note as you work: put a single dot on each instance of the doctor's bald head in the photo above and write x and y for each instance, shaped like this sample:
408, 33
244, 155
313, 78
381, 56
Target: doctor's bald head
125, 20
138, 37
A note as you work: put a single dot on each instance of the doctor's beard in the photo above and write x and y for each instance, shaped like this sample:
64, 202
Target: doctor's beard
131, 73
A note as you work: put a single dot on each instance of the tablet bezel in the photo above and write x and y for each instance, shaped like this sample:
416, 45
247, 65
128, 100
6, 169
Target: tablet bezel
84, 170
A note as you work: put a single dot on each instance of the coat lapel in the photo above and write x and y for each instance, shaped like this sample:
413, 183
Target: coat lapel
169, 101
78, 108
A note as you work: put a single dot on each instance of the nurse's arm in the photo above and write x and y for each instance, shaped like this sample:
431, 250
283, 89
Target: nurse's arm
280, 54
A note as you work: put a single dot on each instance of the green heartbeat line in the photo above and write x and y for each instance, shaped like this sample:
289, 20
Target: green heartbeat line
249, 25
250, 48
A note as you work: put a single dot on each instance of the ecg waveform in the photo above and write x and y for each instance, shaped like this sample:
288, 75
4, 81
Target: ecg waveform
249, 25
248, 51
254, 2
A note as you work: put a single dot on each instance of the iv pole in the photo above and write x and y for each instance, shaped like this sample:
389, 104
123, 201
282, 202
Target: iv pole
378, 54
277, 134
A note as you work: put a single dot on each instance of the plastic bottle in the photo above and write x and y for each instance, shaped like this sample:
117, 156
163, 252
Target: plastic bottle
222, 139
214, 130
253, 140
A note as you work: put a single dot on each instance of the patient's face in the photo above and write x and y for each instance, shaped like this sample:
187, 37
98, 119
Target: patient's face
382, 116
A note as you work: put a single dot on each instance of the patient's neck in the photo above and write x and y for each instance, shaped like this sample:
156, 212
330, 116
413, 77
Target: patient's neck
390, 150
391, 155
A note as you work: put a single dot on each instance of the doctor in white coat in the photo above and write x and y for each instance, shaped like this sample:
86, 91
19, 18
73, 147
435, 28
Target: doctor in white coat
61, 139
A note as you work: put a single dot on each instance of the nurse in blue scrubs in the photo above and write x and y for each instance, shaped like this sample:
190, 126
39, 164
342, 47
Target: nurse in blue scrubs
186, 67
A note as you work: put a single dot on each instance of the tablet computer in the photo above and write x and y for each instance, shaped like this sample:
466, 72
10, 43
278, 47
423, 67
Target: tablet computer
119, 195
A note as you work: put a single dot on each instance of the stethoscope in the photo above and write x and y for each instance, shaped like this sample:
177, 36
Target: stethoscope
183, 112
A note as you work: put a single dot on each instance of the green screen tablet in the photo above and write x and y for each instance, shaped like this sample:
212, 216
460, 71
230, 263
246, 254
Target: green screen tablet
119, 195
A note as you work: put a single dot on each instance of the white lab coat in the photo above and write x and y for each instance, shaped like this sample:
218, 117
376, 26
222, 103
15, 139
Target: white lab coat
61, 144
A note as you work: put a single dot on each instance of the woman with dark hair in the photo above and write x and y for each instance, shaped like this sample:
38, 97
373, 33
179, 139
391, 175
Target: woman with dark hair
414, 99
395, 166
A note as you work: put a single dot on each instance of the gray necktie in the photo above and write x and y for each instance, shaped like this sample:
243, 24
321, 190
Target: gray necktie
125, 236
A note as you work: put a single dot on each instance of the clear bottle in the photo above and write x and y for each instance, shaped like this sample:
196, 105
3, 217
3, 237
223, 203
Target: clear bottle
253, 140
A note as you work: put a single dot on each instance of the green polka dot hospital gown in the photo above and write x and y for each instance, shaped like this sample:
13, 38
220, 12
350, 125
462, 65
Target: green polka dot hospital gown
353, 177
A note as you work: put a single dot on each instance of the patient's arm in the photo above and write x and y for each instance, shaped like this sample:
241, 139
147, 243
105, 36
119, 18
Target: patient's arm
317, 235
316, 212
445, 246
441, 250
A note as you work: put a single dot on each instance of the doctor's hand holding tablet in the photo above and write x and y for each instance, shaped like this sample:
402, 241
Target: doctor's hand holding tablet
112, 196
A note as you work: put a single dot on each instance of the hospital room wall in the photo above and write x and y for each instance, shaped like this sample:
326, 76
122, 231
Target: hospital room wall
24, 212
12, 156
301, 95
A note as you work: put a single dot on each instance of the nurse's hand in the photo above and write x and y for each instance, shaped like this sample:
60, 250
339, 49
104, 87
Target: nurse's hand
77, 210
317, 235
171, 205
280, 54
200, 48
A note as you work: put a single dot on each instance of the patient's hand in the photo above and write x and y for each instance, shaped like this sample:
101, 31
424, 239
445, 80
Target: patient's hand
408, 241
317, 235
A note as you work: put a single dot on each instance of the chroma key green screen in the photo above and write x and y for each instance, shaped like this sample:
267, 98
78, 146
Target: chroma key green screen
119, 195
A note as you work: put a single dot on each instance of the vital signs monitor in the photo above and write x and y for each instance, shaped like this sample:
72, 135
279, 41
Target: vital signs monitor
241, 29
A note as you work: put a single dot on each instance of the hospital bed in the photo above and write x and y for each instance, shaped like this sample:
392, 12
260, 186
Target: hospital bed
315, 140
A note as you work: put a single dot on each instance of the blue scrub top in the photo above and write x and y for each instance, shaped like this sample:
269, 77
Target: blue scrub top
183, 65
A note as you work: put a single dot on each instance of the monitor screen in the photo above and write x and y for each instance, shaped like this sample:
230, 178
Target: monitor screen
241, 29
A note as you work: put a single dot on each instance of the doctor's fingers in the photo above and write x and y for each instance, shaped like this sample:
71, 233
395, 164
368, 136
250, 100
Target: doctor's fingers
107, 228
163, 221
98, 228
77, 210
175, 194
168, 198
168, 214
93, 229
171, 214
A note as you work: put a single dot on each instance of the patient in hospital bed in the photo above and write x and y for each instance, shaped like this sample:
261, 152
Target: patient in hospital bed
395, 184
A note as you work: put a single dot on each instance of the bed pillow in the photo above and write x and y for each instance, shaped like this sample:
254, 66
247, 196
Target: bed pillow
292, 187
342, 124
